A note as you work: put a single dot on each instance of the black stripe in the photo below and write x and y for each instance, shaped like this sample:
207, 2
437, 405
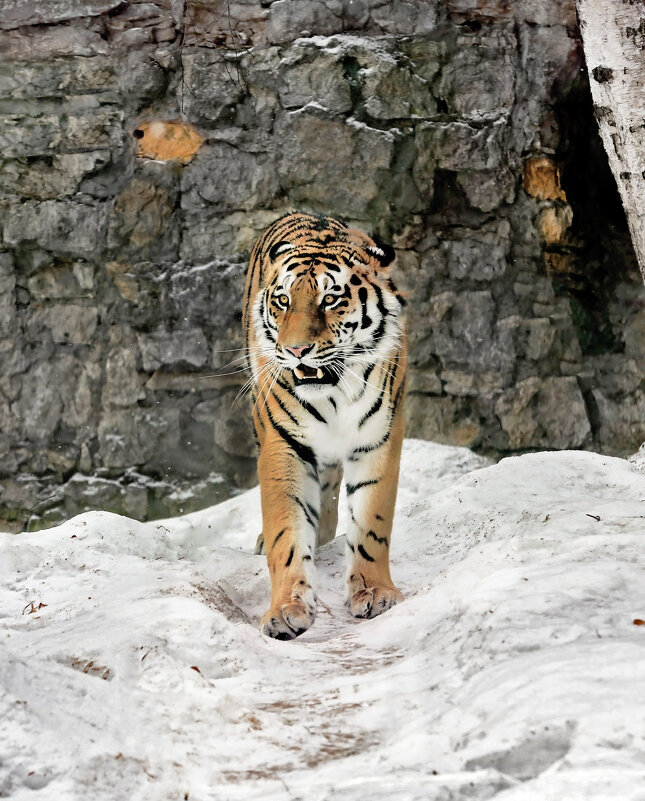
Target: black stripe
306, 557
364, 553
284, 408
398, 396
374, 409
351, 488
393, 371
313, 411
382, 309
303, 452
305, 405
366, 375
350, 546
277, 538
372, 447
267, 331
362, 295
312, 522
382, 540
378, 517
288, 562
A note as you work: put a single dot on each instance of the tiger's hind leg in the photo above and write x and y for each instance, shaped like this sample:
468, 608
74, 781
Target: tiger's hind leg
329, 492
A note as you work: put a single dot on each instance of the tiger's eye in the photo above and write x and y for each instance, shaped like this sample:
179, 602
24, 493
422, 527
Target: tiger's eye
329, 299
283, 300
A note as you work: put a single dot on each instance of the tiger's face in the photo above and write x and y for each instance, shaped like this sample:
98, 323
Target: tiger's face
328, 307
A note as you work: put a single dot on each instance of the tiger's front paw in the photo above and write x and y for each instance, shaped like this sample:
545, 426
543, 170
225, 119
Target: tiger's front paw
289, 621
372, 601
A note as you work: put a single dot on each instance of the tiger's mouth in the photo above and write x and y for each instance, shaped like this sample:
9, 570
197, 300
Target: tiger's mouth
304, 374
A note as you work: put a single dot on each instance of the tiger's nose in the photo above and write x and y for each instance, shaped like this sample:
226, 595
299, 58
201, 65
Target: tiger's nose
299, 351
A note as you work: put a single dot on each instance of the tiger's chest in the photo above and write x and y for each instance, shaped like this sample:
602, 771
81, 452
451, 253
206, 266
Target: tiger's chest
348, 423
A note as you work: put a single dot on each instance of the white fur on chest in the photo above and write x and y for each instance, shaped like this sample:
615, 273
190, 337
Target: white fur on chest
346, 427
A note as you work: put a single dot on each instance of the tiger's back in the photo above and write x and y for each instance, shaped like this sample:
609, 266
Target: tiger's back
327, 351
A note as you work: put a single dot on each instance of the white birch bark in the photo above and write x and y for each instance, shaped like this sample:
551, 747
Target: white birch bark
613, 34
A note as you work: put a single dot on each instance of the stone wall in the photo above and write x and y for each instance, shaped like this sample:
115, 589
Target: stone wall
461, 131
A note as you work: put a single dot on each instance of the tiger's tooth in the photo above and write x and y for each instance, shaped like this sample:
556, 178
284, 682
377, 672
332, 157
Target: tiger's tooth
299, 373
319, 373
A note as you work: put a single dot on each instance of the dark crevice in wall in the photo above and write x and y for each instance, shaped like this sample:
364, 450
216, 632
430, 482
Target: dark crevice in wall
600, 252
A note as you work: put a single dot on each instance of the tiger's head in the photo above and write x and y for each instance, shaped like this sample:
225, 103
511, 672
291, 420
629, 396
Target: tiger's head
326, 304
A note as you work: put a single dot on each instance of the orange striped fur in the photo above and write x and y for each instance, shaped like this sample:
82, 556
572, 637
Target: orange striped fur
327, 351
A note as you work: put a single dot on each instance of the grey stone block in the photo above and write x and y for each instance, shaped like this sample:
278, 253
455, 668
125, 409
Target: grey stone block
173, 349
67, 228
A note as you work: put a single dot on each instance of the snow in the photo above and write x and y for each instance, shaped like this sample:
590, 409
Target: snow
513, 670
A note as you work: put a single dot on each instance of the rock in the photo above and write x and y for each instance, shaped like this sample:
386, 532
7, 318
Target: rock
62, 78
225, 178
62, 322
476, 93
163, 347
41, 43
341, 183
538, 411
635, 337
460, 146
233, 430
542, 179
40, 405
621, 422
541, 335
70, 229
480, 257
401, 17
7, 295
122, 385
78, 383
487, 189
390, 88
163, 140
291, 19
463, 384
212, 85
16, 13
62, 281
467, 338
130, 437
313, 72
46, 127
48, 178
143, 224
444, 420
554, 222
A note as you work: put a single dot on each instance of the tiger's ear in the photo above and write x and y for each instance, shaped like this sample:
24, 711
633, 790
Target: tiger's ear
376, 251
278, 248
384, 254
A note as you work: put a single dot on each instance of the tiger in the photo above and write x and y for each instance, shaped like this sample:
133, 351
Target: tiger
326, 345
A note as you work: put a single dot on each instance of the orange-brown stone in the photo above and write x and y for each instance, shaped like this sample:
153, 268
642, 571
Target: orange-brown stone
553, 223
164, 140
542, 179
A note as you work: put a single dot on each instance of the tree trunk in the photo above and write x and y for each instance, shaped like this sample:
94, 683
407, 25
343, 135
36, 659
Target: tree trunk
613, 33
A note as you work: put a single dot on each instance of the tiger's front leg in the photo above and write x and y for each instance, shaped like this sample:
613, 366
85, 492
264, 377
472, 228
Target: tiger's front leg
290, 512
372, 480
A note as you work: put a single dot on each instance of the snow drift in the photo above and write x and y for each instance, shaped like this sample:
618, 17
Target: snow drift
131, 666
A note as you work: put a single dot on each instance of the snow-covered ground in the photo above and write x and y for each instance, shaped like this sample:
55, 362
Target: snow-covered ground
131, 666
